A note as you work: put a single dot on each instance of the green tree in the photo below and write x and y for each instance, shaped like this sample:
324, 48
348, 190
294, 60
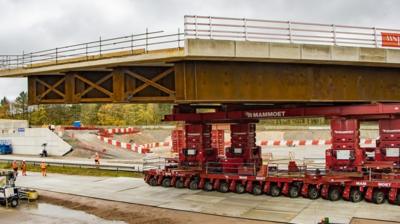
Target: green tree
4, 108
39, 116
111, 114
88, 114
21, 106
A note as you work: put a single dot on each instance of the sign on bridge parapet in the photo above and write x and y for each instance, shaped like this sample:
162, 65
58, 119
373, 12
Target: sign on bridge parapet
390, 39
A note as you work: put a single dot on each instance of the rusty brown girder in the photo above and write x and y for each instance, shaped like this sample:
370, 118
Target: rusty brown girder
116, 85
219, 82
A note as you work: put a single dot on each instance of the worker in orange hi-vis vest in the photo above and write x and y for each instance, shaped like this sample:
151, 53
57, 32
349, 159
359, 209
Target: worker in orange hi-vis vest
23, 168
97, 159
15, 167
43, 166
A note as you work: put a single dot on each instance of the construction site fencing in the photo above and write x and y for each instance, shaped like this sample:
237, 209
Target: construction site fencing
243, 29
131, 44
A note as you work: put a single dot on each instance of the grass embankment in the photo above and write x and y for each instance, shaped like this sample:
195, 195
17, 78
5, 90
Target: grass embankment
77, 171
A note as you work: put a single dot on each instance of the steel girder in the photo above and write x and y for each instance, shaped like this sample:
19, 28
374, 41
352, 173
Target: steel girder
117, 85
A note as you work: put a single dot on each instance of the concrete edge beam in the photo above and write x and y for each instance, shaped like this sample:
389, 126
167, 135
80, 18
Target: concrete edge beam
252, 50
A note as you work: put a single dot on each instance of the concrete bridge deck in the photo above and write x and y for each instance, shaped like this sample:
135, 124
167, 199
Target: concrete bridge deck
220, 50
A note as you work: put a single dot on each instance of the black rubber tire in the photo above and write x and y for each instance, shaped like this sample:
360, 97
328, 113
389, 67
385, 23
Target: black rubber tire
313, 193
208, 186
294, 191
153, 181
240, 189
179, 184
166, 182
397, 201
334, 194
223, 187
356, 195
378, 197
14, 202
194, 185
275, 191
257, 190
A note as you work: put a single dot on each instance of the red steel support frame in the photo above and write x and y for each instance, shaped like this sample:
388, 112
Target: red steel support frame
361, 112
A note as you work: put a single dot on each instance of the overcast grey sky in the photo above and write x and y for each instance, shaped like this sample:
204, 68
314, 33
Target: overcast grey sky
40, 24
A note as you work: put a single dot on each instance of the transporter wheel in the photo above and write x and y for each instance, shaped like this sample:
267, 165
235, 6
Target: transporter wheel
208, 186
397, 201
14, 202
275, 191
179, 184
194, 185
313, 193
334, 194
378, 197
356, 195
153, 181
223, 187
240, 189
166, 182
294, 191
257, 189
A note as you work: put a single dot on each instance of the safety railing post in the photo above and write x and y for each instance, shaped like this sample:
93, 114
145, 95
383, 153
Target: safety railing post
31, 59
375, 37
147, 40
86, 51
132, 43
290, 32
100, 46
195, 26
245, 28
210, 26
179, 38
56, 55
23, 59
185, 21
334, 34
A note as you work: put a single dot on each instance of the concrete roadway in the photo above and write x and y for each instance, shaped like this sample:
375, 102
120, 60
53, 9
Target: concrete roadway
280, 209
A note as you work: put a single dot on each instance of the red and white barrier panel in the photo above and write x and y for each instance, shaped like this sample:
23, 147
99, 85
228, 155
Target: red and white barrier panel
145, 148
302, 142
129, 130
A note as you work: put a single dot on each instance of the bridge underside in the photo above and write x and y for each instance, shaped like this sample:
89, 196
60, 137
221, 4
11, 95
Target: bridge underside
218, 82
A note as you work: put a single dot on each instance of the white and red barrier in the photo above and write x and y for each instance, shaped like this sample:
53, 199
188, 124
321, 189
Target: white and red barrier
144, 148
302, 142
128, 130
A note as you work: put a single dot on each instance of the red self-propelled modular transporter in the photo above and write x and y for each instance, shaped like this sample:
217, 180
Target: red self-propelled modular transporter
351, 172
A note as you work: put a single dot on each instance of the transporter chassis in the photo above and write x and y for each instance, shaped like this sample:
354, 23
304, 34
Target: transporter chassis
351, 172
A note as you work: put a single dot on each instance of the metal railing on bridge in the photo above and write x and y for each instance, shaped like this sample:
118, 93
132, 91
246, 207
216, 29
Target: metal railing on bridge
102, 48
224, 28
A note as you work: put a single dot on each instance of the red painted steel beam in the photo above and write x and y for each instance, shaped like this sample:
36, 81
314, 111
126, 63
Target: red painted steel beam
362, 112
